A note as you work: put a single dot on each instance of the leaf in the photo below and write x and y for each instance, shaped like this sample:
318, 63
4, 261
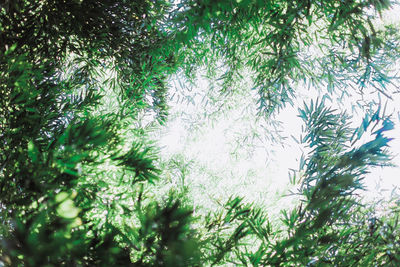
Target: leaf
33, 151
60, 197
67, 209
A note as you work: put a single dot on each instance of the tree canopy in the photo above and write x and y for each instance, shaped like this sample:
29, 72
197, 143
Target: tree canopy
82, 81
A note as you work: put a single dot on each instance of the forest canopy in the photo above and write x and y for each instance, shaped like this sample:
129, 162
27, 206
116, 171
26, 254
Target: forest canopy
83, 82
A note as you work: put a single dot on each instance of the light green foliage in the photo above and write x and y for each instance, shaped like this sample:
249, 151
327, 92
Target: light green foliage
79, 177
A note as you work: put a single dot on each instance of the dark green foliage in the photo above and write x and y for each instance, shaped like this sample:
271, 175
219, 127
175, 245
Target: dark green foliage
166, 236
77, 177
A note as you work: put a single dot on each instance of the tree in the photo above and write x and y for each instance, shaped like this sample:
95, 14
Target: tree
329, 226
324, 43
77, 176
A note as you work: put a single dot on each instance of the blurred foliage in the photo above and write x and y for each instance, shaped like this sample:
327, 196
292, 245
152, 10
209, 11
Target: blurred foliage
77, 177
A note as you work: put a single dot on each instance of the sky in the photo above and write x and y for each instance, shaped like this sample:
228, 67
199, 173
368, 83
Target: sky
226, 161
232, 153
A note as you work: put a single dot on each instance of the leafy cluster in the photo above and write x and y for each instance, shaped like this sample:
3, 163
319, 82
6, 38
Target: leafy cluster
77, 178
285, 43
330, 226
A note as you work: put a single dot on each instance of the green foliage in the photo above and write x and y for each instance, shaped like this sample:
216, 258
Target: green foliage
330, 226
77, 179
323, 43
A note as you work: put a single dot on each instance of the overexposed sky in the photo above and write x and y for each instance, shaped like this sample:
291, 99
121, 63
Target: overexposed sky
233, 154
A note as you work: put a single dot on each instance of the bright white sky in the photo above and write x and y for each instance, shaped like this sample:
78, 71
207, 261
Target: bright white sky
256, 168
